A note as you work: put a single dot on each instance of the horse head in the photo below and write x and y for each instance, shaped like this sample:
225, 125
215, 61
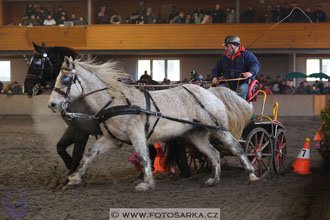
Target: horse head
67, 86
44, 67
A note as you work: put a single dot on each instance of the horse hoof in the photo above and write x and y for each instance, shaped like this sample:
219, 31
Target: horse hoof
74, 180
253, 177
211, 182
143, 186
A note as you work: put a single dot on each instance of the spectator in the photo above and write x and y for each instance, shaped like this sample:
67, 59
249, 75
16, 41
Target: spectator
278, 13
282, 86
207, 19
304, 88
326, 90
189, 19
198, 15
49, 21
32, 21
218, 15
115, 18
149, 17
296, 14
310, 14
58, 16
315, 90
319, 85
286, 11
269, 16
267, 89
276, 85
29, 10
62, 19
231, 16
43, 14
248, 15
145, 76
1, 87
289, 88
14, 89
166, 81
73, 17
135, 17
102, 16
173, 14
319, 14
262, 81
81, 21
179, 19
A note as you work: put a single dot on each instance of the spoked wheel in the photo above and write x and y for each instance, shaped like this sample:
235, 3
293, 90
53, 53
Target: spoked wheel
197, 160
280, 152
259, 150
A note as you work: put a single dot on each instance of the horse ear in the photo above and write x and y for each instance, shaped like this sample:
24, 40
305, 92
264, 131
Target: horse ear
67, 61
43, 45
37, 47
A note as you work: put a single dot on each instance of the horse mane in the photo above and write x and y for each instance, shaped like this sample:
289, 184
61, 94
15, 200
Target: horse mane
110, 72
238, 110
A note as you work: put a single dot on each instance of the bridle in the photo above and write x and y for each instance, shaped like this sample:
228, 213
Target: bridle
39, 64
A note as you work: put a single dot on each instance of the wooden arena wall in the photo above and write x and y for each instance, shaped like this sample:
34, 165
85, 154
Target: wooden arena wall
166, 36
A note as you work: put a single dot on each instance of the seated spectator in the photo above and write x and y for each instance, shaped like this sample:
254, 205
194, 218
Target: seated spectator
58, 15
73, 17
149, 17
315, 90
218, 15
326, 90
304, 88
102, 16
248, 15
289, 88
179, 19
189, 19
267, 89
32, 21
296, 14
207, 19
198, 15
276, 85
282, 86
319, 14
310, 15
262, 81
61, 22
269, 16
278, 13
231, 16
14, 89
135, 17
81, 21
319, 86
173, 14
115, 18
49, 21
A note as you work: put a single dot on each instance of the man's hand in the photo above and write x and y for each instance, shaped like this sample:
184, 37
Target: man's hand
214, 80
247, 74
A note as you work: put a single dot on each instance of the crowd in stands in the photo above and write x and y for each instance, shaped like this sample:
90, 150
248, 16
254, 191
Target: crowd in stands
11, 89
37, 16
282, 86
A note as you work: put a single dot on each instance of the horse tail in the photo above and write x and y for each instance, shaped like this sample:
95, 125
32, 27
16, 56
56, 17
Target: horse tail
239, 111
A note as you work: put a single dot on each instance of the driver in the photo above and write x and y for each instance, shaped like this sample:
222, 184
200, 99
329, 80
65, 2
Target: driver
237, 62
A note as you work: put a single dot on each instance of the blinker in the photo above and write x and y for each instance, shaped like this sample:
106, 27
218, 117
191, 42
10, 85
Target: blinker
66, 80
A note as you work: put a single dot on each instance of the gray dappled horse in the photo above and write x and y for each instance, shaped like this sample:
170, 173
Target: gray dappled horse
191, 103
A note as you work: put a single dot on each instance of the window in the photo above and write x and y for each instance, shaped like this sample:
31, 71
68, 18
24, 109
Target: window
316, 65
4, 70
160, 69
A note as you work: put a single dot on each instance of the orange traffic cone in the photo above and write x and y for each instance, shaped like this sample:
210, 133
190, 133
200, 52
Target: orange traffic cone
159, 163
302, 163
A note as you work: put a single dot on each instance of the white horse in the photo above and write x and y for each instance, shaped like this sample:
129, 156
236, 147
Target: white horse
180, 102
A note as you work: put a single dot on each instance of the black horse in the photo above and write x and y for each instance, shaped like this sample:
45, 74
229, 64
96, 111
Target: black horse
43, 69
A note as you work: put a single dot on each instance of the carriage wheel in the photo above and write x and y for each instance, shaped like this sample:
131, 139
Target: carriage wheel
280, 153
259, 150
197, 162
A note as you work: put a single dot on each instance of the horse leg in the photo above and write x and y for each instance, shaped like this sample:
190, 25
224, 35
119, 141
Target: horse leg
66, 140
234, 146
140, 146
80, 142
102, 145
201, 141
